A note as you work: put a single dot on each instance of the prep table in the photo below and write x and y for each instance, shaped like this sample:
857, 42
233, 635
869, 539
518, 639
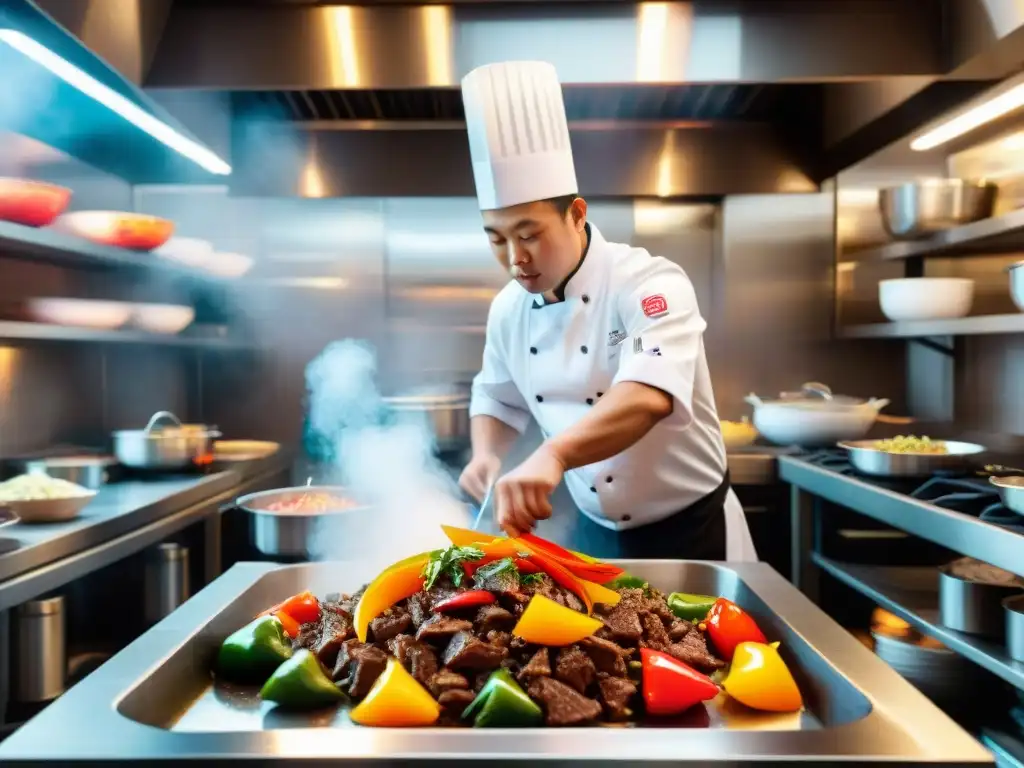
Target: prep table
137, 706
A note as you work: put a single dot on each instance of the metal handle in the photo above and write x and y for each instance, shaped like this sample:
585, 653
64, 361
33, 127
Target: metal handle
817, 388
160, 416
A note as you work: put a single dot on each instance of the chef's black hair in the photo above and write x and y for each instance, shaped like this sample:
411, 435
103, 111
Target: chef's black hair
562, 203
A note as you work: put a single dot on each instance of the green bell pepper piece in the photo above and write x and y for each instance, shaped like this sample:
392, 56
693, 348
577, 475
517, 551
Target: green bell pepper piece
252, 653
690, 607
503, 704
625, 581
300, 683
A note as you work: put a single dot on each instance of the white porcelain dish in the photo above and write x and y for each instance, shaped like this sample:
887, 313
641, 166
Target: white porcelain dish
228, 264
162, 318
188, 251
80, 313
814, 421
926, 298
49, 510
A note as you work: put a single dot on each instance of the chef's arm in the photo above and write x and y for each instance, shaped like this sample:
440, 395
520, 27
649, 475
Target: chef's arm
491, 436
623, 415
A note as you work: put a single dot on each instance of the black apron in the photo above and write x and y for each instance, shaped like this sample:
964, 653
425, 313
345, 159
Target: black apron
694, 533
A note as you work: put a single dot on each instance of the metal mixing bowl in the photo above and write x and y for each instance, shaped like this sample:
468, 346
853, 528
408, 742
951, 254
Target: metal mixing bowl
925, 207
871, 461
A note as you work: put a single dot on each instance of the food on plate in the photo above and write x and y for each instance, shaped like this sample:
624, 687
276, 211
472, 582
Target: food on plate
911, 444
729, 625
312, 502
759, 678
35, 487
252, 653
978, 572
31, 203
493, 632
301, 683
119, 229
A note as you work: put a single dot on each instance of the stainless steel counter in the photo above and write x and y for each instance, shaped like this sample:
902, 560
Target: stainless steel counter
128, 709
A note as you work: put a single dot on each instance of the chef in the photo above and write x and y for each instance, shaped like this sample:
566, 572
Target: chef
599, 342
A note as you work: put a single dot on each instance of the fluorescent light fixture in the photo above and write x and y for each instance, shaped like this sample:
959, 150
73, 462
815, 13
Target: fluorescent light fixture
986, 112
114, 101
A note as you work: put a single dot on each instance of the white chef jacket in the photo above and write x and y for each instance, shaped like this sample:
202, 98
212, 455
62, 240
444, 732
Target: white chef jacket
627, 316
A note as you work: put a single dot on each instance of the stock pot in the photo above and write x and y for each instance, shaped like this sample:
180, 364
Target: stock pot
814, 417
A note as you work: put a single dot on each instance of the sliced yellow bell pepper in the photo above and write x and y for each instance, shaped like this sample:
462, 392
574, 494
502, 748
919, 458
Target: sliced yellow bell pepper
396, 700
464, 537
599, 593
760, 679
396, 582
545, 622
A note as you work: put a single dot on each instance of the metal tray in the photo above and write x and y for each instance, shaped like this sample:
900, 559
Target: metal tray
154, 699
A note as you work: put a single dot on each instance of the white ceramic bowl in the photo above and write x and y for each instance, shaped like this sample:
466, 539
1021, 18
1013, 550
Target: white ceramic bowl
82, 313
50, 510
228, 264
186, 250
926, 298
162, 318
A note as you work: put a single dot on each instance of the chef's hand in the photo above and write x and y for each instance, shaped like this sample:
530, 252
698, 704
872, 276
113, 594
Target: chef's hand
523, 496
479, 474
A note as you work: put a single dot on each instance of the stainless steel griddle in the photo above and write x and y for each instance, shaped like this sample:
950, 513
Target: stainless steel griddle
154, 700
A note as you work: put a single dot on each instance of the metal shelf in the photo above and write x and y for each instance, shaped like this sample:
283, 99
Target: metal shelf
954, 530
10, 330
913, 595
54, 247
997, 234
960, 326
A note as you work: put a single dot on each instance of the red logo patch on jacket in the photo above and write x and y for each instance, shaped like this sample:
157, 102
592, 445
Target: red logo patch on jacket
654, 305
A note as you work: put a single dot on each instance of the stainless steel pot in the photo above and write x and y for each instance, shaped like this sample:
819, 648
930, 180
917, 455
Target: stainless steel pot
1017, 284
973, 606
87, 471
1014, 609
164, 447
871, 461
1011, 490
447, 416
928, 206
299, 535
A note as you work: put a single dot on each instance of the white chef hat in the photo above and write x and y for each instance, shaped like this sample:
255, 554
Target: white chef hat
518, 134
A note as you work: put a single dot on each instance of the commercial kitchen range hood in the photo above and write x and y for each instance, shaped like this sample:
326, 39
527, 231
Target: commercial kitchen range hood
693, 99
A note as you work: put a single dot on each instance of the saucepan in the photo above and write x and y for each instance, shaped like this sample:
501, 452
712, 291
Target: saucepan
814, 417
868, 457
297, 522
446, 414
1011, 490
165, 443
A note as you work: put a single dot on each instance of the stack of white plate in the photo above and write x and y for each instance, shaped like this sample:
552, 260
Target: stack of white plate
939, 673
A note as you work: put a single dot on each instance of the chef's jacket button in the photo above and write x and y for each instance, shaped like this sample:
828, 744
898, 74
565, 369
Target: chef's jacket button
583, 349
608, 479
590, 401
586, 299
533, 350
593, 489
540, 398
600, 393
626, 518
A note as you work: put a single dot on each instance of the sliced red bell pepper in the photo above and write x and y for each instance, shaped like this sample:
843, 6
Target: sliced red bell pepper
289, 624
559, 574
729, 625
303, 607
591, 571
467, 599
671, 687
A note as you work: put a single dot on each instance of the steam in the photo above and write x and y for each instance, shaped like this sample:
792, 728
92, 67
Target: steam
384, 462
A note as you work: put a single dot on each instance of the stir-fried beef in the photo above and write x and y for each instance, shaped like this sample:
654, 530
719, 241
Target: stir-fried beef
363, 664
419, 658
438, 629
607, 656
465, 651
500, 639
693, 650
623, 624
419, 608
546, 587
344, 658
575, 668
446, 680
562, 705
493, 617
391, 623
325, 635
655, 634
616, 694
679, 629
454, 700
538, 666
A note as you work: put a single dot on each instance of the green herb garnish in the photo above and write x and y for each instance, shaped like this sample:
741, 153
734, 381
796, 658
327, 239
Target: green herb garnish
531, 578
501, 575
448, 562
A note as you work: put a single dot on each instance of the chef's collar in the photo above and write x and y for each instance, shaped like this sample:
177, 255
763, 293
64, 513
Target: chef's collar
576, 283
